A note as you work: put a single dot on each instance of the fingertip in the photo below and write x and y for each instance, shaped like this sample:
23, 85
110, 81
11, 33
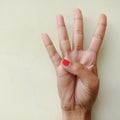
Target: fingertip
103, 18
77, 9
77, 12
103, 15
59, 18
44, 35
46, 39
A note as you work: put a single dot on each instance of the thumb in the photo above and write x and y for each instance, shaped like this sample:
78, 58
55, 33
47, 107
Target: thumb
82, 72
76, 69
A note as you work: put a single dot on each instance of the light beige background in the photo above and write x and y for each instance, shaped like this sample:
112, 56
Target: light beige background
28, 88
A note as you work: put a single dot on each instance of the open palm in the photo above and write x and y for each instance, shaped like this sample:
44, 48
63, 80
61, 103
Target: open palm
78, 83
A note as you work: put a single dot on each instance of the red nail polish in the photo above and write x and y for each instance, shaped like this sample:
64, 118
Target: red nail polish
65, 62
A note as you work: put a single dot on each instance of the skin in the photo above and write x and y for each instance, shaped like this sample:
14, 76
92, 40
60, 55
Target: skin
78, 83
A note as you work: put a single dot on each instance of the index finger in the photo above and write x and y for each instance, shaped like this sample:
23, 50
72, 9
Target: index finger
63, 35
99, 34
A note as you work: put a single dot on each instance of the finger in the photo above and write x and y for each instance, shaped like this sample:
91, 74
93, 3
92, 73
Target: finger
63, 35
99, 34
55, 57
78, 30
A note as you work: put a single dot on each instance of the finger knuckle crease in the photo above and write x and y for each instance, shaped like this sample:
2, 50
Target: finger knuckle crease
79, 18
99, 36
78, 31
102, 24
61, 26
77, 68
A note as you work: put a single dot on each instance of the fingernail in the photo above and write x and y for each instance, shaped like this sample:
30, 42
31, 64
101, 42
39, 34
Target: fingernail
65, 62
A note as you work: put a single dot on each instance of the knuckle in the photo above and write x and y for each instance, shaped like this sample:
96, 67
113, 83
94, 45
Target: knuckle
78, 18
65, 37
77, 47
102, 24
53, 55
78, 31
61, 26
77, 68
98, 36
50, 49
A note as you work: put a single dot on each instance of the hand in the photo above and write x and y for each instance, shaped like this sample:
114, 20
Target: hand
76, 70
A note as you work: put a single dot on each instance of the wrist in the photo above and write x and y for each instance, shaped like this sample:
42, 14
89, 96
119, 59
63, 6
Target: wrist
76, 115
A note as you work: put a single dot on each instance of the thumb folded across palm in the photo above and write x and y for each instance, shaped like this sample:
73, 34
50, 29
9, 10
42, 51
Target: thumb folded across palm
81, 72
